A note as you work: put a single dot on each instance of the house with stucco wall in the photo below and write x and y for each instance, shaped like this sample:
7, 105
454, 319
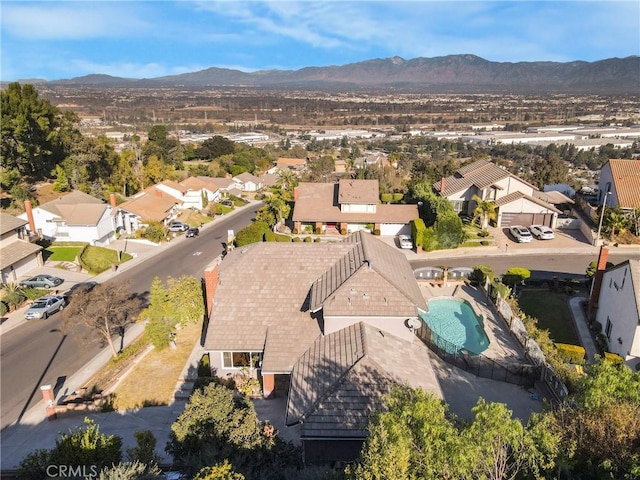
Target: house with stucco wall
621, 178
18, 256
319, 319
349, 205
618, 310
515, 199
74, 217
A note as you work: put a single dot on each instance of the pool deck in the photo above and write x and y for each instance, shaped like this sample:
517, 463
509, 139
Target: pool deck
502, 344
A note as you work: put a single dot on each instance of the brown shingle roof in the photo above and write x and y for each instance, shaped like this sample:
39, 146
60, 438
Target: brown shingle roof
626, 178
362, 192
151, 204
318, 202
9, 223
518, 195
341, 379
481, 173
175, 185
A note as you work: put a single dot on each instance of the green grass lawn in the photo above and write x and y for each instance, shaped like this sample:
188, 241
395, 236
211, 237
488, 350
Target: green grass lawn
63, 254
552, 312
98, 259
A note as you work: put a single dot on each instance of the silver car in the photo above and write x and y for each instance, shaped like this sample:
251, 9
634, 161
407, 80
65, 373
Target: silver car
45, 306
542, 232
520, 234
405, 241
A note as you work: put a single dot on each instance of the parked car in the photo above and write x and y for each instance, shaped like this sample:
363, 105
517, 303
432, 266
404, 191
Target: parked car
520, 234
41, 281
193, 232
542, 232
178, 227
405, 241
45, 306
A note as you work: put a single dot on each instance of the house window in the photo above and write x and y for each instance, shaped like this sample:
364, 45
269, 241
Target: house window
607, 330
460, 206
241, 359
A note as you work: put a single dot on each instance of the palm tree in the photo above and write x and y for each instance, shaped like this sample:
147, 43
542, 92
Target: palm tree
287, 180
616, 222
485, 211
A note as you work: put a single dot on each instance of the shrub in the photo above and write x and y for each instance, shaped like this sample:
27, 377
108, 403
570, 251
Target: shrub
429, 240
4, 308
449, 230
480, 274
596, 326
318, 230
614, 358
308, 239
317, 240
515, 275
386, 198
571, 353
483, 233
270, 236
418, 230
295, 231
343, 231
376, 231
154, 232
397, 197
135, 470
296, 239
13, 295
252, 234
484, 243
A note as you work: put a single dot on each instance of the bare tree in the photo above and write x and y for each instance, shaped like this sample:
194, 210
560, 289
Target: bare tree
103, 312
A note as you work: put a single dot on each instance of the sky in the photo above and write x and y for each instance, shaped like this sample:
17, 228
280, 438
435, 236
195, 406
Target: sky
60, 39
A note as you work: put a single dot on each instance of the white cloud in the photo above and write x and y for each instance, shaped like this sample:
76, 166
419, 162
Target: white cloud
51, 21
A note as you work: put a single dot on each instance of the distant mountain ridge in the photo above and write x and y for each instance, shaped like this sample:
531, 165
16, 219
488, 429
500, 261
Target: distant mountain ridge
452, 73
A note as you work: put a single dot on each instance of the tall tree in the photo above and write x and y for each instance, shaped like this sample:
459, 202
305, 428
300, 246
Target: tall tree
485, 211
103, 312
28, 131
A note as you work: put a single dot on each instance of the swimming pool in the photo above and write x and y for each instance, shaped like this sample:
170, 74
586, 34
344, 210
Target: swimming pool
455, 326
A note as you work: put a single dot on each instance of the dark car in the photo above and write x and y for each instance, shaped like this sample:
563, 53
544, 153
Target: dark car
79, 289
41, 281
193, 232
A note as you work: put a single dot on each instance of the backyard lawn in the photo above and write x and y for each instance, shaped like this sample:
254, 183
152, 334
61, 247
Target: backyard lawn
63, 254
553, 314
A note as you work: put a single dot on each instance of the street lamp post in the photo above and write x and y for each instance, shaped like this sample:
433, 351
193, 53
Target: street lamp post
604, 206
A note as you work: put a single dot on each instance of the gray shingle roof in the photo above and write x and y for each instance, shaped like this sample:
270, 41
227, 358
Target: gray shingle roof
342, 378
264, 294
9, 223
372, 279
13, 252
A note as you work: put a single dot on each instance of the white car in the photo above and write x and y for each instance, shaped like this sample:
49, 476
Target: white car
45, 306
520, 234
542, 232
405, 241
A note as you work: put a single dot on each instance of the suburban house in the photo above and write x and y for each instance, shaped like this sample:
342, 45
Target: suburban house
74, 217
621, 178
515, 200
248, 182
151, 204
616, 302
332, 320
191, 191
228, 186
349, 205
296, 165
18, 256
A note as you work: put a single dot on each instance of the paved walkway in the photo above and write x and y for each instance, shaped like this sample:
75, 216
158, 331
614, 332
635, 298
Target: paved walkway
582, 327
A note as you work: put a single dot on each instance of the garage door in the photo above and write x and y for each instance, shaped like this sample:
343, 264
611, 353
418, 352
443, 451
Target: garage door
526, 219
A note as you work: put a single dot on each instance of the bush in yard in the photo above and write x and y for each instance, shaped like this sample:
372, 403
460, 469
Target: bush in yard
4, 308
386, 198
216, 425
220, 471
571, 353
450, 230
397, 197
135, 470
515, 276
204, 366
155, 232
254, 233
308, 239
145, 449
81, 447
13, 295
480, 274
418, 230
430, 240
296, 239
317, 240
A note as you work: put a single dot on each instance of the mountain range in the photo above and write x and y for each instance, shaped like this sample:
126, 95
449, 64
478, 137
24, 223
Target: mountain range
452, 73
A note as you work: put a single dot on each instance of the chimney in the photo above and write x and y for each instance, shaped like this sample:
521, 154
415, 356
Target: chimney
442, 186
158, 193
211, 277
296, 192
597, 282
112, 200
32, 222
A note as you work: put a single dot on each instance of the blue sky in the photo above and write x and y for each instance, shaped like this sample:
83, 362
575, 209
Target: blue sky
142, 39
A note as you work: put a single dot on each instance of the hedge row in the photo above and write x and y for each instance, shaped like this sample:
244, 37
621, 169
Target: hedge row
571, 353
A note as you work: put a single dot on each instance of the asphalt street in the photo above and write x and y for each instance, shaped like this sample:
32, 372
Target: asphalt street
37, 352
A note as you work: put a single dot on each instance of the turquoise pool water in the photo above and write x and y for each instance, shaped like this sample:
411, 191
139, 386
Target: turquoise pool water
456, 326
